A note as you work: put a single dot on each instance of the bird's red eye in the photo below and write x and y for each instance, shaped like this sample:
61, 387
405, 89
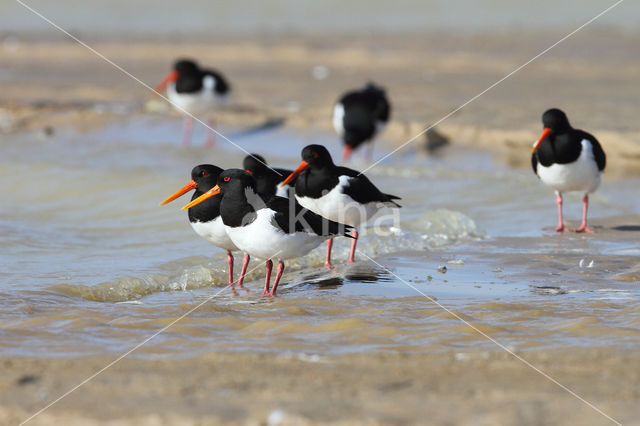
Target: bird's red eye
226, 178
204, 173
315, 155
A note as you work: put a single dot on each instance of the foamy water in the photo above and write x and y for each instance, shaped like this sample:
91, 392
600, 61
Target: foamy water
90, 263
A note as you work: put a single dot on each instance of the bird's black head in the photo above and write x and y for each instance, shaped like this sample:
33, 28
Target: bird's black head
232, 180
186, 66
255, 164
372, 87
205, 176
317, 156
556, 120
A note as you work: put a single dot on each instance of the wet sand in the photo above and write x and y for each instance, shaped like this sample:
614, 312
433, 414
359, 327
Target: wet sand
474, 388
427, 76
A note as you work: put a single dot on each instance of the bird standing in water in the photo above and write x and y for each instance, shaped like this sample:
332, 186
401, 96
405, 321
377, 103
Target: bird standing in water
268, 227
195, 91
205, 217
337, 193
359, 116
567, 159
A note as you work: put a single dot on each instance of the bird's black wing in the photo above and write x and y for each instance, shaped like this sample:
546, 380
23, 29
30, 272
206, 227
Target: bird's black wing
362, 190
598, 152
358, 121
534, 162
189, 83
292, 217
382, 108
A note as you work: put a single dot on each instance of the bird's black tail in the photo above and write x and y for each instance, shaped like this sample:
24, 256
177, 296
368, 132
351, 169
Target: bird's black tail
390, 201
340, 229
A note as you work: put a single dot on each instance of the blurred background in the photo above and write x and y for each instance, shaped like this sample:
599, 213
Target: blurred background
120, 18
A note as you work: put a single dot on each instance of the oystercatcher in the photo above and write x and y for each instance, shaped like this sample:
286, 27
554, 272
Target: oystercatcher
268, 227
567, 159
268, 179
195, 91
337, 193
205, 218
359, 116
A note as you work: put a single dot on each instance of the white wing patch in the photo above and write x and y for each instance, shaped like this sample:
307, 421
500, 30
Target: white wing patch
338, 118
209, 82
283, 191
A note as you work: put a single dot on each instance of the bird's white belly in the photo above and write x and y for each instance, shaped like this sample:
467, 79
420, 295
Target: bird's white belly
581, 175
339, 207
338, 118
262, 239
200, 102
214, 232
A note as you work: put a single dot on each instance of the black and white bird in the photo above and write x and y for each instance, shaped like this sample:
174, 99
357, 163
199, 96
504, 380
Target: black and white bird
567, 159
360, 115
268, 227
205, 217
195, 92
337, 193
268, 179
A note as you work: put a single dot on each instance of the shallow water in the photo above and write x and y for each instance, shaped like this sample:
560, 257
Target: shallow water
90, 263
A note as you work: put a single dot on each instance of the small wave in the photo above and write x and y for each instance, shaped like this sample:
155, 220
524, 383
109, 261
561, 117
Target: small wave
133, 288
433, 229
444, 227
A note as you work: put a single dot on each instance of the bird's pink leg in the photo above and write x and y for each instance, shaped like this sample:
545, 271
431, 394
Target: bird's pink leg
561, 227
230, 263
370, 151
267, 278
243, 271
187, 128
327, 260
211, 140
585, 206
278, 276
353, 246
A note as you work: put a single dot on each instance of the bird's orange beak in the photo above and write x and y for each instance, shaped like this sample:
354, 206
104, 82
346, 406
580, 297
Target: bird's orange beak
543, 136
301, 168
346, 152
210, 193
170, 78
249, 171
179, 193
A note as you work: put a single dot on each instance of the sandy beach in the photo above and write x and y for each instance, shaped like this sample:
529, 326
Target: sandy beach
335, 349
483, 388
427, 76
